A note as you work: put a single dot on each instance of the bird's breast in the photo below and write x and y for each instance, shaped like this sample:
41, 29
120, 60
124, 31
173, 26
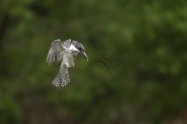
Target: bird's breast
68, 58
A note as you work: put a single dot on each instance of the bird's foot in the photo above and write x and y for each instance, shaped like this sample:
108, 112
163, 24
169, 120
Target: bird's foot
67, 65
73, 65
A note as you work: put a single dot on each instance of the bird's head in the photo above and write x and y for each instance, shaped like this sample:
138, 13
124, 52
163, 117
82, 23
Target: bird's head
81, 49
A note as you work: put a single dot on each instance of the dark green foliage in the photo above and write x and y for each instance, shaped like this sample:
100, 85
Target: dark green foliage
136, 72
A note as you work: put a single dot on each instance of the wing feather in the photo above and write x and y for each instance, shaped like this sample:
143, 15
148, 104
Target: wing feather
67, 43
55, 52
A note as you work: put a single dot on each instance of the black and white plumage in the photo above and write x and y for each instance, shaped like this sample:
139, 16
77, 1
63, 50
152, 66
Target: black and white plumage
67, 51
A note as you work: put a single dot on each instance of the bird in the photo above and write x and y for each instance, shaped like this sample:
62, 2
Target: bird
66, 51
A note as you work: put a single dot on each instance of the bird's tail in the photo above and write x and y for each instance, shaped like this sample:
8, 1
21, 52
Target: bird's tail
61, 80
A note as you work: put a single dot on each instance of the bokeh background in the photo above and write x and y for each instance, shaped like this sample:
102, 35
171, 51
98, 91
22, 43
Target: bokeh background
136, 73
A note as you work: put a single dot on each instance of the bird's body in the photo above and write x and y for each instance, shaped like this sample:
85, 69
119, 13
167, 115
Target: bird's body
67, 51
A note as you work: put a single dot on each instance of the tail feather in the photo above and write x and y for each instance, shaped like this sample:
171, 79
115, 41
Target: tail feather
61, 80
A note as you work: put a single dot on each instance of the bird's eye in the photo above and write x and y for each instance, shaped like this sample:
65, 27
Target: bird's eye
80, 48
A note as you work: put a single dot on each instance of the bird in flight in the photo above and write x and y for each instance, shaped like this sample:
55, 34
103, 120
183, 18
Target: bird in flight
67, 52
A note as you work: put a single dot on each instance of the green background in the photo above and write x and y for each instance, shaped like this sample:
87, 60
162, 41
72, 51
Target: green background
136, 73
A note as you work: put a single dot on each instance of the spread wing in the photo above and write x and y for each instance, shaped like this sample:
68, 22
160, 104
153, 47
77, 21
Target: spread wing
55, 52
62, 78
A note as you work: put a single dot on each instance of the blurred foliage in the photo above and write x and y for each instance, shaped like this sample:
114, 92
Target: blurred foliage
136, 72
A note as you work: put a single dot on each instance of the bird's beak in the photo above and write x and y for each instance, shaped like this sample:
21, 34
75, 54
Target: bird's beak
85, 56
